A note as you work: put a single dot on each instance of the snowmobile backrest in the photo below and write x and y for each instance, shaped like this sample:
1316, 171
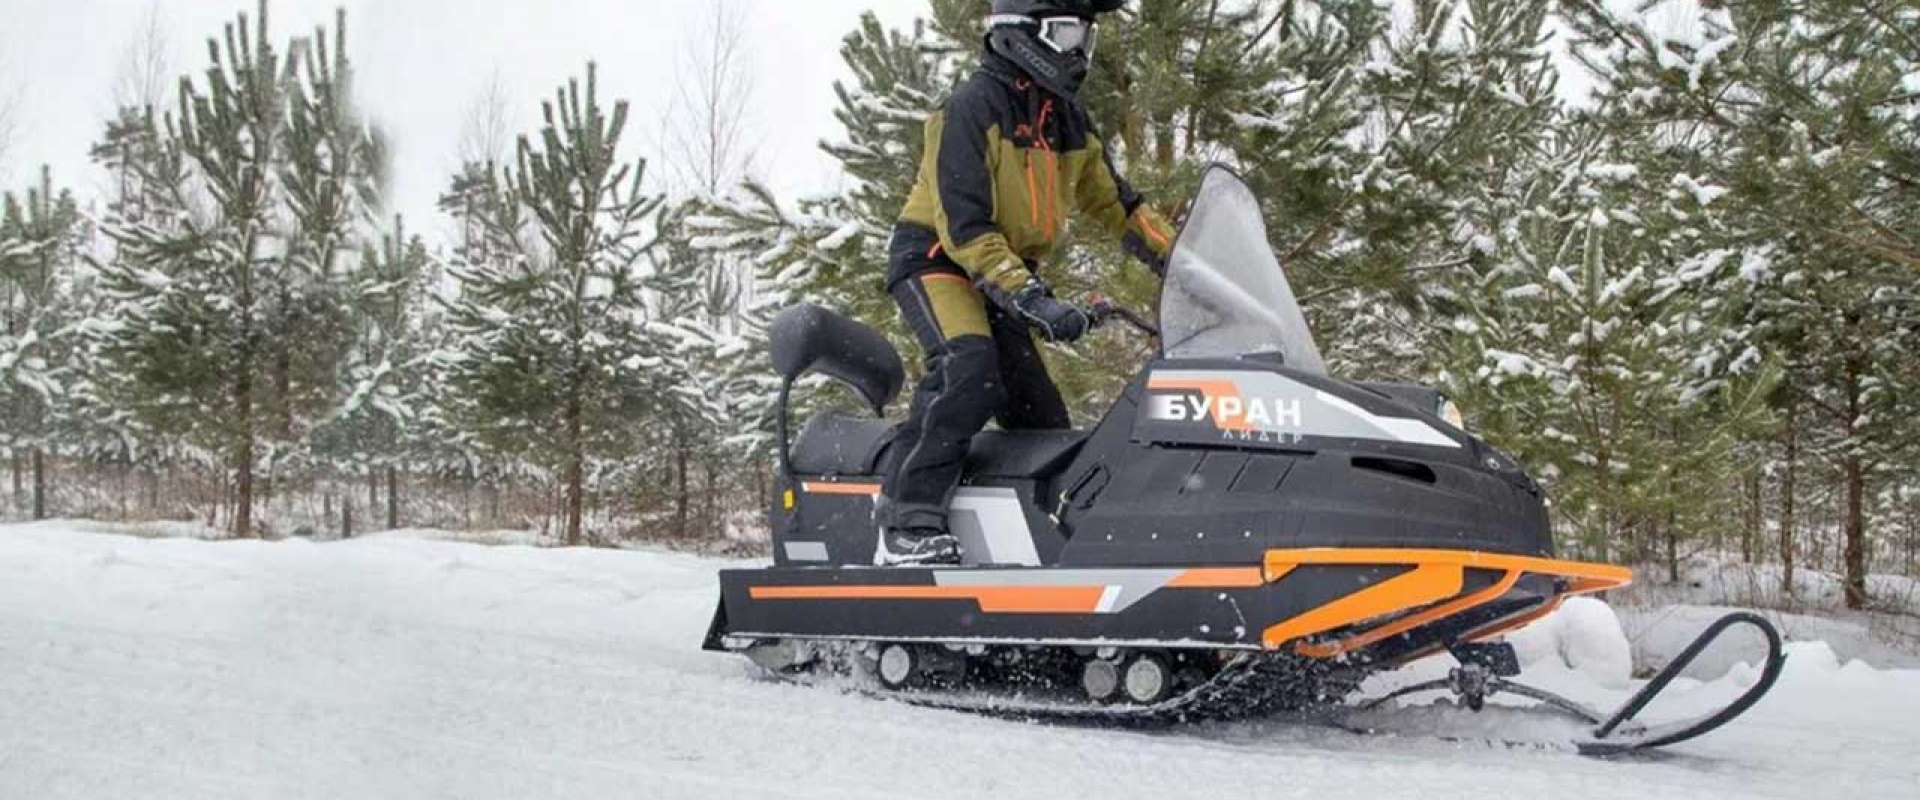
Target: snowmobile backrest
807, 338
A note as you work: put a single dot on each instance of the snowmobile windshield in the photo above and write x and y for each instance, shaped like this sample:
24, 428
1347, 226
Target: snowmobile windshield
1226, 295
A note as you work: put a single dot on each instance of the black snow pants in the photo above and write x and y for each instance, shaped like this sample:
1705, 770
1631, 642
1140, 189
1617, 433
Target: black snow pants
981, 364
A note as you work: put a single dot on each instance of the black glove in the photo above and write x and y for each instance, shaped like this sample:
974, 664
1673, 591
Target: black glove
1055, 319
1137, 246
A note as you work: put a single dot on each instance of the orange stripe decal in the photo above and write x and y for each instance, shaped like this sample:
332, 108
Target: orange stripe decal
1586, 577
868, 489
992, 599
1411, 621
1438, 575
1219, 578
1427, 583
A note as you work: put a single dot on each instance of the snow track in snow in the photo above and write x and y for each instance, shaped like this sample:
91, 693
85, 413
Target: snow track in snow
401, 668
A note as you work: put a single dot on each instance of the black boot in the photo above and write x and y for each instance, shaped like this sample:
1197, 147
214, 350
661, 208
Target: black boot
917, 547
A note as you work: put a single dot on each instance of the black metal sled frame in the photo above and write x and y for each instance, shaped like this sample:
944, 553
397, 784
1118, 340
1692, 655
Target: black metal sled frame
1618, 733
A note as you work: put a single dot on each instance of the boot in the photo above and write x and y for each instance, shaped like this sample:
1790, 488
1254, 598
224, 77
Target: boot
917, 547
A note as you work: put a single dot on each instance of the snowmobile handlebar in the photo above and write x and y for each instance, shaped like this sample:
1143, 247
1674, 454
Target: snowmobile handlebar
1102, 310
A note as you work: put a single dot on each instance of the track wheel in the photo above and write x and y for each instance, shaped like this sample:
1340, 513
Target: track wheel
897, 666
1147, 679
1100, 679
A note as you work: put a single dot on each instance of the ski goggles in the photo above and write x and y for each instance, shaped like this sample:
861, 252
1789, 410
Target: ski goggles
1068, 34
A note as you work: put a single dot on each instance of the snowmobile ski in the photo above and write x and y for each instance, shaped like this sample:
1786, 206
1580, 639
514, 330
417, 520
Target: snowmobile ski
1620, 732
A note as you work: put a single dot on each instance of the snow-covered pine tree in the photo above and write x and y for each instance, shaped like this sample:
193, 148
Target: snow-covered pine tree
1590, 343
373, 435
223, 328
42, 234
1809, 114
1387, 151
551, 347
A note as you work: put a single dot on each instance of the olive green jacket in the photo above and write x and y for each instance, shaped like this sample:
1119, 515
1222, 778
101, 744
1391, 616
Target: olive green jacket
1005, 164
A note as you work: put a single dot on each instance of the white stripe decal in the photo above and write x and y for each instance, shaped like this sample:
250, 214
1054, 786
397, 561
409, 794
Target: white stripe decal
1108, 598
1401, 428
992, 527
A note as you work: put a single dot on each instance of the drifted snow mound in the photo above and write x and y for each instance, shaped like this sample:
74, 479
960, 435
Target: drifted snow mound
1583, 636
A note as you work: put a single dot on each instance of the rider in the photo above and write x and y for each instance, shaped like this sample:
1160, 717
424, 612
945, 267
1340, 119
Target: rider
1010, 154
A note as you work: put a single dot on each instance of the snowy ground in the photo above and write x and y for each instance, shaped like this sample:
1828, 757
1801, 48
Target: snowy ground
408, 668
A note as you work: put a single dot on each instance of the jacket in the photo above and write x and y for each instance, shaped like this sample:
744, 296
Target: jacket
1005, 163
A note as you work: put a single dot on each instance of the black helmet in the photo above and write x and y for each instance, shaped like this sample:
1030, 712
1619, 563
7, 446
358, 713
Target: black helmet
1050, 40
1036, 8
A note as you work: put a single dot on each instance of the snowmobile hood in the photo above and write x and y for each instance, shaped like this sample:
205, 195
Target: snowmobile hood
1226, 295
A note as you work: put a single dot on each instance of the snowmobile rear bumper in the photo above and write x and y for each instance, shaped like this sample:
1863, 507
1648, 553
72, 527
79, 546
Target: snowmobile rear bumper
1374, 605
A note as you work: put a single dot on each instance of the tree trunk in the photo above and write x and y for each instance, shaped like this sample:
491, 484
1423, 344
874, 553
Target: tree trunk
346, 514
242, 497
19, 478
576, 474
39, 484
393, 498
1856, 530
1750, 532
1673, 548
1786, 511
1854, 473
680, 493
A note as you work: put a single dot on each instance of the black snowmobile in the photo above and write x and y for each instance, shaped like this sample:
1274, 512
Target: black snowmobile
1242, 534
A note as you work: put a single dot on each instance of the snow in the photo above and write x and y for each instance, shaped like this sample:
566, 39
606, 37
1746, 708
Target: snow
406, 667
1584, 636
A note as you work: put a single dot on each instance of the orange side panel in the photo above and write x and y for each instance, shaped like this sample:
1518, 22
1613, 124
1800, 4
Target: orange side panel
1427, 583
1411, 621
1433, 571
1585, 577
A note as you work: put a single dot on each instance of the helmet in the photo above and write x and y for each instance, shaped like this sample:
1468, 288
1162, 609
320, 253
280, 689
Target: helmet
1036, 8
1050, 40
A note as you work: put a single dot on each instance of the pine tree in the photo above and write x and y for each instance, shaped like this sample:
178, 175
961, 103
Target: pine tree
553, 347
41, 236
225, 326
373, 433
1805, 111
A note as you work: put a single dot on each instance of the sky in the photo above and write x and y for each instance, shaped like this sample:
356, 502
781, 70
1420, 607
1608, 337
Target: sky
422, 65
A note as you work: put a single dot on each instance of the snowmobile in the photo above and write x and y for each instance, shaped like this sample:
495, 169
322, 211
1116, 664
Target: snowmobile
1242, 534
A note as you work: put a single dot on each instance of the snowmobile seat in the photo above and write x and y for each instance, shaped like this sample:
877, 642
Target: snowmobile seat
840, 444
1022, 454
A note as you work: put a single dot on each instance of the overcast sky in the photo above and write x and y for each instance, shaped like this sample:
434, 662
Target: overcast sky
422, 64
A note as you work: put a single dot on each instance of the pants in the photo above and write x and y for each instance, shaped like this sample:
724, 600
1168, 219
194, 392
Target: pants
981, 364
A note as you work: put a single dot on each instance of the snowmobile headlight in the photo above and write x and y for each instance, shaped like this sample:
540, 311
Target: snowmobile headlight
1450, 411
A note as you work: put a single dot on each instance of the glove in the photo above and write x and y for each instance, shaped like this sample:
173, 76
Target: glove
1055, 319
1136, 246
